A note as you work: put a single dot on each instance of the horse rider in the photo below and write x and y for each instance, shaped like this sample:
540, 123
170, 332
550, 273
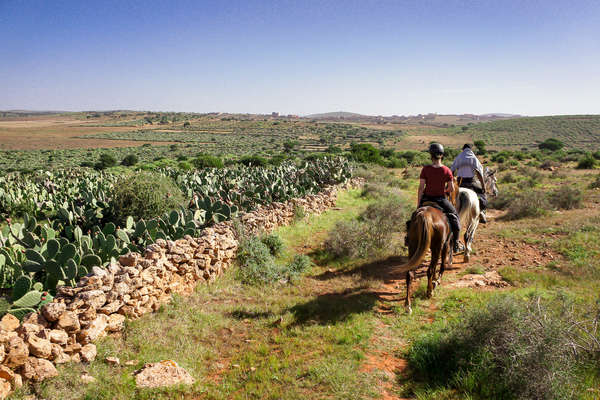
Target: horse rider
465, 167
435, 181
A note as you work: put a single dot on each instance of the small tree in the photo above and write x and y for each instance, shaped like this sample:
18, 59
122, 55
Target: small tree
480, 145
106, 161
289, 145
551, 144
130, 160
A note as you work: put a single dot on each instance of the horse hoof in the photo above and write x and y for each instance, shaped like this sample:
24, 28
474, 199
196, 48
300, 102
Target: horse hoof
467, 257
409, 310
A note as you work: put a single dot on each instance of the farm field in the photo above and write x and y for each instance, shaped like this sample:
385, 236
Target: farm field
341, 330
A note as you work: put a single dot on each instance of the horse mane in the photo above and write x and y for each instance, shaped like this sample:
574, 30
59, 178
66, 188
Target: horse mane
421, 229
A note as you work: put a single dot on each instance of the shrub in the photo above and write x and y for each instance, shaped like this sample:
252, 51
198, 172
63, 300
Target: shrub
586, 162
207, 161
502, 201
106, 161
369, 235
596, 183
184, 166
253, 161
299, 265
273, 243
129, 160
596, 155
144, 195
530, 203
551, 144
365, 153
508, 178
505, 350
256, 264
566, 198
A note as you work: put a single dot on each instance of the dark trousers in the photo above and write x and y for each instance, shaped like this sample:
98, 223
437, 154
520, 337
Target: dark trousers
468, 183
449, 210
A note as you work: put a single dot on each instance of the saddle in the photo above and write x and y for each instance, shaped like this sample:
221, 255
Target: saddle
432, 204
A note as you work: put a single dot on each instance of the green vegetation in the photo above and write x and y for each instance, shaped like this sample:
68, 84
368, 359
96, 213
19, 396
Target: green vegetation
144, 195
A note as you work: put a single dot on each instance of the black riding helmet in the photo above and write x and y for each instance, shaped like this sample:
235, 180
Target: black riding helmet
436, 149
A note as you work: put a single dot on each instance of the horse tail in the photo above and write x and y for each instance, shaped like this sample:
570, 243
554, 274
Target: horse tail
422, 226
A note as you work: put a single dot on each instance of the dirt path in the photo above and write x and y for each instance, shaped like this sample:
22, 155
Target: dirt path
492, 252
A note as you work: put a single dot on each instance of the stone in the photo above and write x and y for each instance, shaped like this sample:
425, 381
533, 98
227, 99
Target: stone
88, 353
53, 311
164, 373
131, 362
112, 360
68, 321
93, 298
35, 318
110, 308
17, 352
58, 355
116, 323
129, 260
85, 378
29, 329
5, 388
58, 336
73, 348
6, 336
9, 322
94, 330
6, 373
38, 369
76, 358
39, 347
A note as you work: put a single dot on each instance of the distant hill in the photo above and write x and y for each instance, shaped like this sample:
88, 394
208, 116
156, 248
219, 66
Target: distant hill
337, 115
576, 131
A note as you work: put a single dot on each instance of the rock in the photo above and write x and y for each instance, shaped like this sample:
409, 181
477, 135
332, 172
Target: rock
110, 308
85, 378
5, 388
116, 323
131, 362
164, 373
58, 355
58, 336
35, 318
88, 353
6, 373
18, 381
38, 369
93, 298
94, 330
129, 260
39, 347
29, 329
9, 322
112, 360
68, 321
73, 348
17, 352
53, 311
76, 358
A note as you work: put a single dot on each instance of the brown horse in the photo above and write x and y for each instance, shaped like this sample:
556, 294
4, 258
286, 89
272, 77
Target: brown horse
428, 230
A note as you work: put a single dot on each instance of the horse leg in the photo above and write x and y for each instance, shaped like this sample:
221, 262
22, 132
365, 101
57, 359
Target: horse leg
435, 256
469, 236
407, 302
445, 259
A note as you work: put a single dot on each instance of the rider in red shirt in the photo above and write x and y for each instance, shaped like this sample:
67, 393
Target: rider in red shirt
435, 180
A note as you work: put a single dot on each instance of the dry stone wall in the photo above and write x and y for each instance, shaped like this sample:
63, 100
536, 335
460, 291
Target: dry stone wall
64, 330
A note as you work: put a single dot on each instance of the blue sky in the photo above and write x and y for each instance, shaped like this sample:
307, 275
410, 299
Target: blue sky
301, 57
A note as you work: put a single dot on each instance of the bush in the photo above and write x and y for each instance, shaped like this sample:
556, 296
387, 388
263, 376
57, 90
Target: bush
505, 350
256, 264
508, 178
106, 161
502, 201
551, 144
365, 153
527, 204
184, 166
299, 265
253, 161
144, 195
371, 234
129, 160
273, 243
566, 198
596, 183
207, 161
586, 162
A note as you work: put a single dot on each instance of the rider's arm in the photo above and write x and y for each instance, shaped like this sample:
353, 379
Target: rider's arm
421, 190
480, 177
451, 186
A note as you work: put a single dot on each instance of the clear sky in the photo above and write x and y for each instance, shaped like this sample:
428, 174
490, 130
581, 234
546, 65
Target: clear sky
302, 57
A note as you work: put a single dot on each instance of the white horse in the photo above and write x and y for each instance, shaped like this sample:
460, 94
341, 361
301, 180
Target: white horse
467, 206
